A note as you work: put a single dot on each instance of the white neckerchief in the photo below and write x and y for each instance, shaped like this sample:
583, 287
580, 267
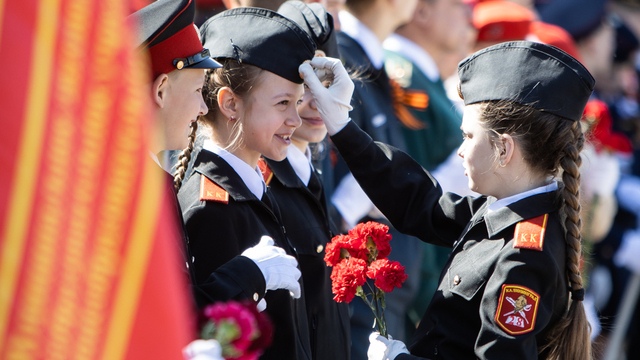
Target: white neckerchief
416, 54
553, 186
300, 162
353, 27
251, 177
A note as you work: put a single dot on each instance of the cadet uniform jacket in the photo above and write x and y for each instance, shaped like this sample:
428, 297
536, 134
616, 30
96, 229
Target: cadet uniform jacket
304, 214
219, 232
478, 310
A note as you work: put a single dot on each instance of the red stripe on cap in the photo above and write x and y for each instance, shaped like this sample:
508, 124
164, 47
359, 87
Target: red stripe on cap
182, 44
169, 23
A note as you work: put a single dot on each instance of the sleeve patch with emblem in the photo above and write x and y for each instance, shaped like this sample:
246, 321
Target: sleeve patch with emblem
267, 173
210, 191
517, 309
530, 233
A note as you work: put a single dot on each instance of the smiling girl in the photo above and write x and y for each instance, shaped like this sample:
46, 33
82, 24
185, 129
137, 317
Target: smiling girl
511, 288
252, 103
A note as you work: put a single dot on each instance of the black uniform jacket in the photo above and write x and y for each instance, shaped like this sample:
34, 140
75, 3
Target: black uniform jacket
460, 320
220, 232
236, 279
308, 229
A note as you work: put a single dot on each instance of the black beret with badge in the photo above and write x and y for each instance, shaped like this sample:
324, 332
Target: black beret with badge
316, 21
259, 37
165, 29
533, 74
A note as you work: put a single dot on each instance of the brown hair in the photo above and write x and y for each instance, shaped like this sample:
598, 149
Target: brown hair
184, 158
241, 79
550, 143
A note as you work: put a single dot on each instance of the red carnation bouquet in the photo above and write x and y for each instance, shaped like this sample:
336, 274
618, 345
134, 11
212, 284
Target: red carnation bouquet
361, 255
242, 331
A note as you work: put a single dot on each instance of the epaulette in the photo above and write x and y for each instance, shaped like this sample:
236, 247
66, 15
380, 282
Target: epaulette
529, 233
267, 173
210, 191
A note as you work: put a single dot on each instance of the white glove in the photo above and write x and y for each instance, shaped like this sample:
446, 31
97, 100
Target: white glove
203, 350
334, 102
628, 254
262, 305
381, 348
279, 269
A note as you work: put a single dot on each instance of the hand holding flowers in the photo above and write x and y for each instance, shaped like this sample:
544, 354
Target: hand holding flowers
359, 255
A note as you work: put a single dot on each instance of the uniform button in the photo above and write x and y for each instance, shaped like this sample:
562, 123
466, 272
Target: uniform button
186, 263
193, 259
456, 280
256, 297
319, 249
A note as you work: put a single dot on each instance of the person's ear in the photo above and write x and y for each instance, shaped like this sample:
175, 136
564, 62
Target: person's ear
423, 13
228, 103
159, 89
507, 146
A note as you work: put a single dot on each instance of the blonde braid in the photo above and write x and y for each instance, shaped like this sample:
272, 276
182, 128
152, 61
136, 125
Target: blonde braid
184, 158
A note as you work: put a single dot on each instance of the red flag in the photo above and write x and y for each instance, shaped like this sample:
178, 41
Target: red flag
88, 265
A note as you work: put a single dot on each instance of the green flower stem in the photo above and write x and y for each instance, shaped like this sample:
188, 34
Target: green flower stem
377, 309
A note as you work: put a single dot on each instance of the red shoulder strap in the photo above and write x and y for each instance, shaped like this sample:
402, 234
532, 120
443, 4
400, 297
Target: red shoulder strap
267, 173
210, 191
530, 233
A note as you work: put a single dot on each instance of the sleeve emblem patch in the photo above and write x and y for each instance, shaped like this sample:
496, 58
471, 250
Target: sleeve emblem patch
530, 233
210, 191
517, 309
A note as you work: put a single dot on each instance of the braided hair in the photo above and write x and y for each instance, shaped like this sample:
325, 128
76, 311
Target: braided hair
184, 158
551, 144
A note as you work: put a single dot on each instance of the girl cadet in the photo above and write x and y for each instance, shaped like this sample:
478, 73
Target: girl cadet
178, 62
505, 290
299, 192
252, 104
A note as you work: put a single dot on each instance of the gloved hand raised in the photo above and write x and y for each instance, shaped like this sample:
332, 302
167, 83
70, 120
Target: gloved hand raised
381, 348
279, 269
333, 102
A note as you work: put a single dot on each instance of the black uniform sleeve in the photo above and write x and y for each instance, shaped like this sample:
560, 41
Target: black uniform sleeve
404, 191
239, 278
531, 269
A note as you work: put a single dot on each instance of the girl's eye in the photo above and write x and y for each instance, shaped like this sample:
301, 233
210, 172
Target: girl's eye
284, 102
299, 102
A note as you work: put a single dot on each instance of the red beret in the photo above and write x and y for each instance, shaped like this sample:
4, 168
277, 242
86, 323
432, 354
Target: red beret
500, 20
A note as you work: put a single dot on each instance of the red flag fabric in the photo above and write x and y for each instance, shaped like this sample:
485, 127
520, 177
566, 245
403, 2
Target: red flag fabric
88, 261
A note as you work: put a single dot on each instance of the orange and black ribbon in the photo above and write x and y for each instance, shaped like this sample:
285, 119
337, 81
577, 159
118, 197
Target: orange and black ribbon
402, 98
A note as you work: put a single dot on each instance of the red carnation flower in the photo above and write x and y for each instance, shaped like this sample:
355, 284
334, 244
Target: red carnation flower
265, 328
333, 250
376, 232
388, 274
346, 277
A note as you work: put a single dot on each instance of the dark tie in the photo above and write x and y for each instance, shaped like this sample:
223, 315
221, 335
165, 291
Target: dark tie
315, 186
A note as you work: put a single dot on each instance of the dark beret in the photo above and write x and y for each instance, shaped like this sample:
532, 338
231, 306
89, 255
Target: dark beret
316, 21
259, 37
533, 74
579, 17
165, 29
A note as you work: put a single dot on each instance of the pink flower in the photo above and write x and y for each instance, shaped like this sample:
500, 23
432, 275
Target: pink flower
387, 274
241, 330
346, 277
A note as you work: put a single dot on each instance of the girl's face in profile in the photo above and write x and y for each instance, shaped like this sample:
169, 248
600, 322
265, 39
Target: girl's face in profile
312, 129
183, 104
270, 116
477, 151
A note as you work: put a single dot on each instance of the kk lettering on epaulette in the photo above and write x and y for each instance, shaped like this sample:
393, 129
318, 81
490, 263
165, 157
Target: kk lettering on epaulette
529, 234
210, 191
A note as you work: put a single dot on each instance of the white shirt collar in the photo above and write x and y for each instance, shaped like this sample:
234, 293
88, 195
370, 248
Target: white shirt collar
415, 53
251, 177
353, 27
553, 186
154, 157
300, 163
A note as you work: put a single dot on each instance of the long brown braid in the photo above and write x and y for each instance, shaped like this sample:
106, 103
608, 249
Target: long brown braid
550, 143
184, 158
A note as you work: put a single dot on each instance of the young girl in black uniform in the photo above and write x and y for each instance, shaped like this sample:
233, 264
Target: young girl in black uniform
505, 291
297, 188
252, 103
